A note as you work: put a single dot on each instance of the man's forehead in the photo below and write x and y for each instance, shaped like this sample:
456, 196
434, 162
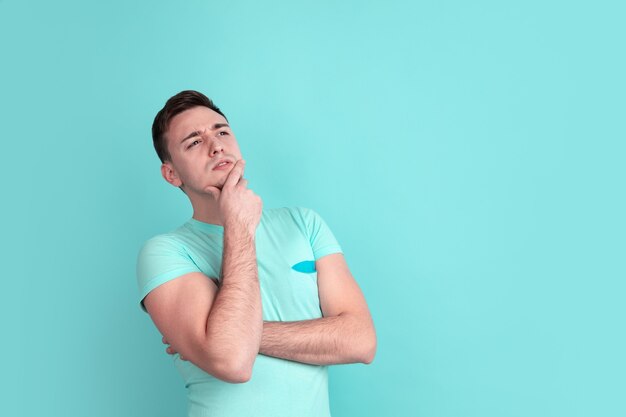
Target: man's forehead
196, 118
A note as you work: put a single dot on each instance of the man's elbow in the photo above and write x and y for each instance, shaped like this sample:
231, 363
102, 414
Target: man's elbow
369, 353
235, 375
235, 370
368, 350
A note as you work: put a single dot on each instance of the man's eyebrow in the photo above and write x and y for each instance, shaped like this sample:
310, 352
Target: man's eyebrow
191, 135
197, 132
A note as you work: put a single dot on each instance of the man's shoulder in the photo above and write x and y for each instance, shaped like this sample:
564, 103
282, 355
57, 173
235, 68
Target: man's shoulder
172, 239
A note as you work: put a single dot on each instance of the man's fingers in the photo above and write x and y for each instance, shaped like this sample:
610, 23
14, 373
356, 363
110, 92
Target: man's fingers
235, 174
164, 340
170, 351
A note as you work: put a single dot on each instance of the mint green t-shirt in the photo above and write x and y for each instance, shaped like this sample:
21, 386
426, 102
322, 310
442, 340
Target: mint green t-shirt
288, 242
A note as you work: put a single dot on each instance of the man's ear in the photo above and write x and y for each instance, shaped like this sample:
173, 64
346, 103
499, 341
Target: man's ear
170, 174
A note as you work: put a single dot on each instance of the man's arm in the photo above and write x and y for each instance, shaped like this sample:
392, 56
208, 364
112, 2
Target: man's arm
218, 330
344, 335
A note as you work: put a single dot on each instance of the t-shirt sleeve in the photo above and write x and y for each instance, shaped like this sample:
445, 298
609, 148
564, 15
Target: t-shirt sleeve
322, 240
161, 259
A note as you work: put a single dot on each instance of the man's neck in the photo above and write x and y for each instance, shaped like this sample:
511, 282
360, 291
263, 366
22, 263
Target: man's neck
206, 210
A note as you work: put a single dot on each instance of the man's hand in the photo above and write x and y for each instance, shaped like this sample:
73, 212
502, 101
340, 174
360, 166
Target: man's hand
238, 206
170, 350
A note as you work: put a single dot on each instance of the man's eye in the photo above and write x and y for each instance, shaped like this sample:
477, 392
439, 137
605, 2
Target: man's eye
194, 143
223, 132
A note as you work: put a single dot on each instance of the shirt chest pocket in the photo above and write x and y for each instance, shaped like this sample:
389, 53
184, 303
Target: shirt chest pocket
289, 289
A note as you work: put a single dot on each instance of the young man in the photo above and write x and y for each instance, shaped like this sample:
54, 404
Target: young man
257, 302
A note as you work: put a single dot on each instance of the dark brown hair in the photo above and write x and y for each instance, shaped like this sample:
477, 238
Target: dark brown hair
177, 104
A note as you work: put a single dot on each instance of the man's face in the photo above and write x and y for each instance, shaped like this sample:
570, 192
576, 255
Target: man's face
199, 140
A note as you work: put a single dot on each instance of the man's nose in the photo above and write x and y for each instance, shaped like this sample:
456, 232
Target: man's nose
215, 145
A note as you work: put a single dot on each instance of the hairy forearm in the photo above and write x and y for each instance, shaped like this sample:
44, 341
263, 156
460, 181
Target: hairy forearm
235, 322
346, 338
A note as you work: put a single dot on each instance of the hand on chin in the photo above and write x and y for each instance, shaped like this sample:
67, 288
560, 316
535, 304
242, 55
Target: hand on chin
219, 185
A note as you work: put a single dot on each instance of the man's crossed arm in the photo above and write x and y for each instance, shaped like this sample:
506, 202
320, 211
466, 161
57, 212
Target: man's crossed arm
344, 335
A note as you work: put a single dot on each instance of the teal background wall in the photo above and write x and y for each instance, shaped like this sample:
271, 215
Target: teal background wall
469, 156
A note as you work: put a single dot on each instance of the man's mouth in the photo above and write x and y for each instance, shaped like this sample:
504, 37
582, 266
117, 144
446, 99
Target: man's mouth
222, 165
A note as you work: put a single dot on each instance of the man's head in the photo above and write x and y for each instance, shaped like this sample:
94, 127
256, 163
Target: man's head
191, 136
177, 104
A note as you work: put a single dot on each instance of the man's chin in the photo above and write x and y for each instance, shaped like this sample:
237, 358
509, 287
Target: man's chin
220, 184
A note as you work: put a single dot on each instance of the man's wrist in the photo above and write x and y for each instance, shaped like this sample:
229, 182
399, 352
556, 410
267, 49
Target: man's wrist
239, 230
